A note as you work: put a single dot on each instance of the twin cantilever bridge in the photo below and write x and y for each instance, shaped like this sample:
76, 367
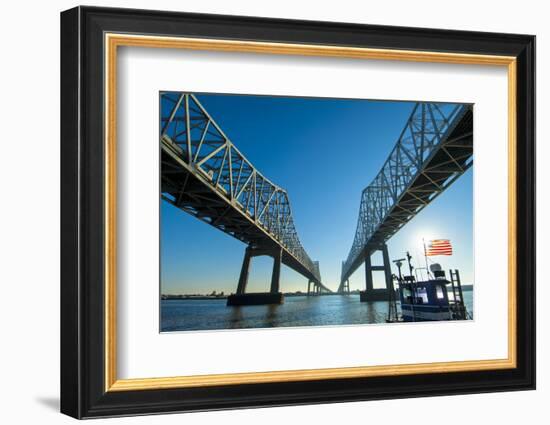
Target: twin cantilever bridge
204, 174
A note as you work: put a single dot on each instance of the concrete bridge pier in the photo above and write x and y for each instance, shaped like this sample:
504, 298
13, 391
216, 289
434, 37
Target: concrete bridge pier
377, 294
345, 287
274, 296
316, 288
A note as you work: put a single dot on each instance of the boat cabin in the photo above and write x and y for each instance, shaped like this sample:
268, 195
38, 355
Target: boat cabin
426, 300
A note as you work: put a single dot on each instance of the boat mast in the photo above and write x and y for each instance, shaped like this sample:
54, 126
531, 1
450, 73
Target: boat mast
413, 285
426, 258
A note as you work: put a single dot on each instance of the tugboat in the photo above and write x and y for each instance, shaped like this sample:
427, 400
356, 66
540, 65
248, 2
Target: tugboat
427, 300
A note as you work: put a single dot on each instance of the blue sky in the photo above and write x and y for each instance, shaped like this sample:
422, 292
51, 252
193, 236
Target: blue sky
324, 152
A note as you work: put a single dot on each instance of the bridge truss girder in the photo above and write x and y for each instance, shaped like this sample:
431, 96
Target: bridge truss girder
433, 150
204, 174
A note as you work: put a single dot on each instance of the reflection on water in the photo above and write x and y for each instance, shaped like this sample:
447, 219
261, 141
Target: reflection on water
328, 310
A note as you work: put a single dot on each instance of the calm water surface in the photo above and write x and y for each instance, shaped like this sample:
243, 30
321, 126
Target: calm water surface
327, 310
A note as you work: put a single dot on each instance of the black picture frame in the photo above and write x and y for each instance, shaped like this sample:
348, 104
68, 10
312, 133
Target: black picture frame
83, 392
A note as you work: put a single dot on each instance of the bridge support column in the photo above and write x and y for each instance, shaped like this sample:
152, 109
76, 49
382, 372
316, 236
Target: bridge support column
257, 298
309, 287
378, 294
368, 272
245, 269
276, 273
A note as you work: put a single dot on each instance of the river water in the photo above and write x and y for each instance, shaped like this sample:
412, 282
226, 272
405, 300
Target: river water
327, 310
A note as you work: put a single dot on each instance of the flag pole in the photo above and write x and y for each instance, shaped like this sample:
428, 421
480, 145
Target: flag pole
426, 258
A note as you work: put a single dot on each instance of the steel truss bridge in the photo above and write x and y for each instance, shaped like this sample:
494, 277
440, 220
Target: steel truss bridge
204, 174
434, 149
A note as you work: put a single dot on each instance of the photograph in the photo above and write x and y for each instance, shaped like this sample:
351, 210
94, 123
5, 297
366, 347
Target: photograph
280, 211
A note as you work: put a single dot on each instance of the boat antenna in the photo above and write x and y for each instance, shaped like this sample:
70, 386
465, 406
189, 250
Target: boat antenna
409, 258
399, 263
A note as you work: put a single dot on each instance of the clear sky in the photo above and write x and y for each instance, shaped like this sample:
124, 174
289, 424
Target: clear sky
324, 152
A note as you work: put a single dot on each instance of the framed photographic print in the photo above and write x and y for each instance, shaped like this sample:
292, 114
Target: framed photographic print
261, 212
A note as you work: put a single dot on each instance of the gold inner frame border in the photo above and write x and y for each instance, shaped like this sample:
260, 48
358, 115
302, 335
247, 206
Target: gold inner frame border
111, 43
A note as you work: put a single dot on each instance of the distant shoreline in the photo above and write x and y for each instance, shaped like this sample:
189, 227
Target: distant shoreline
166, 297
193, 297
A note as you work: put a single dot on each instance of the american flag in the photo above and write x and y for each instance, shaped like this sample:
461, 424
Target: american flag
439, 247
